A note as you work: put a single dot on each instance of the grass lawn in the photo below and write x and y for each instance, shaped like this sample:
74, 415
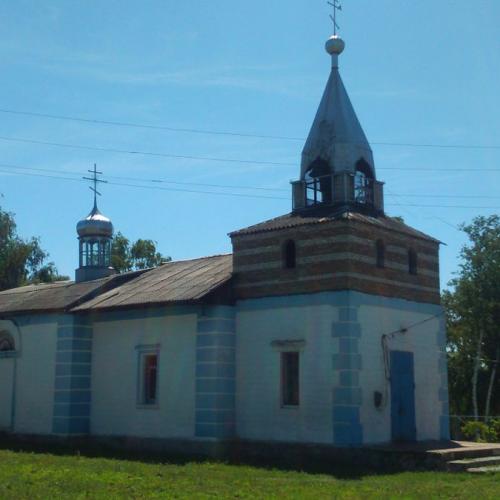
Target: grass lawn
28, 474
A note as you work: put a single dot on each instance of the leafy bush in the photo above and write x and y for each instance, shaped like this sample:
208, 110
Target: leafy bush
482, 432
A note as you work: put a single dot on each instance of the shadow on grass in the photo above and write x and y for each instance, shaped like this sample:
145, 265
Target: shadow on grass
297, 462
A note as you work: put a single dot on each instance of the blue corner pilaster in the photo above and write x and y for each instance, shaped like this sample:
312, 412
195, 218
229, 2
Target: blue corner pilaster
347, 365
72, 393
216, 373
444, 420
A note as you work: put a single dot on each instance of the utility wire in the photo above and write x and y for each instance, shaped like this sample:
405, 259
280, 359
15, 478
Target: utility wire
225, 186
214, 159
144, 153
228, 133
240, 195
155, 181
220, 193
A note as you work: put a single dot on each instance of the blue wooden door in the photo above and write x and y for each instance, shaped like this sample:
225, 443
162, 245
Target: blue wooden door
403, 397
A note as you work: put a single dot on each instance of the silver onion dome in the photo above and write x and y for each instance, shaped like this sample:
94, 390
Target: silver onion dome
95, 224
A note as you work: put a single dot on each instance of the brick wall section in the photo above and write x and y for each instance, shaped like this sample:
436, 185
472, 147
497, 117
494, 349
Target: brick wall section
335, 255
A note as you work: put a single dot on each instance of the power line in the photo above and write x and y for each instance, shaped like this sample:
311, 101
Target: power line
220, 193
232, 134
240, 195
227, 186
214, 159
155, 181
144, 153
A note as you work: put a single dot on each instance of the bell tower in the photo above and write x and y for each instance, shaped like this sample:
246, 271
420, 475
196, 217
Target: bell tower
337, 236
337, 167
95, 235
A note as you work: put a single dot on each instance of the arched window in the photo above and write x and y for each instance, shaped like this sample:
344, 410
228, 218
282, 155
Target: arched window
318, 183
412, 261
363, 183
290, 255
380, 248
6, 342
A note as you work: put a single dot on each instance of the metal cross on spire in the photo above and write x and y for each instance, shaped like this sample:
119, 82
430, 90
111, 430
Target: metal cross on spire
95, 180
336, 7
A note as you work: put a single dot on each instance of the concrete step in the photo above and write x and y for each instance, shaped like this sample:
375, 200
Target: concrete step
478, 462
491, 469
468, 451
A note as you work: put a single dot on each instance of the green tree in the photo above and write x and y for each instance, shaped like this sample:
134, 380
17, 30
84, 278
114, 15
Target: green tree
473, 314
22, 261
141, 254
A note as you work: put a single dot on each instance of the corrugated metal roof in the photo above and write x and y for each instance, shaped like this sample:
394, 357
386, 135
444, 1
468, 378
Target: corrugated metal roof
297, 219
182, 281
43, 298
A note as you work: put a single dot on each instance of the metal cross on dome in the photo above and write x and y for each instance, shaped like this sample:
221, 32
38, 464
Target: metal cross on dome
336, 7
95, 180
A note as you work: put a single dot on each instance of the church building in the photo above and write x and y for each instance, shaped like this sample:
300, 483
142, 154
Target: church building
324, 326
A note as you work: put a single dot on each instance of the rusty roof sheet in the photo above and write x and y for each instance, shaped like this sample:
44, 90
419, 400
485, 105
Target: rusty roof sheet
181, 281
297, 219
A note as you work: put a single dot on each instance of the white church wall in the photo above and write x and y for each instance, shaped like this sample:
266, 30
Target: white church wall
260, 416
115, 409
341, 366
390, 316
35, 363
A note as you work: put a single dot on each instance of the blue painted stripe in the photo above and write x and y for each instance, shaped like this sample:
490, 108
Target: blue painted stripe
72, 397
9, 354
72, 410
72, 383
347, 434
352, 330
73, 357
443, 363
216, 385
215, 416
215, 401
443, 395
347, 362
71, 369
348, 314
145, 313
219, 340
346, 414
224, 312
219, 431
347, 396
71, 425
348, 346
66, 321
338, 299
216, 325
349, 378
215, 370
69, 332
215, 355
74, 345
444, 428
37, 319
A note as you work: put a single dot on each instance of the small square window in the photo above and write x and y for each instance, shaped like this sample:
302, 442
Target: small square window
290, 379
148, 389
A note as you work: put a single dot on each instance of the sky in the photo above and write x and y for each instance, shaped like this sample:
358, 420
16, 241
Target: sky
418, 73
